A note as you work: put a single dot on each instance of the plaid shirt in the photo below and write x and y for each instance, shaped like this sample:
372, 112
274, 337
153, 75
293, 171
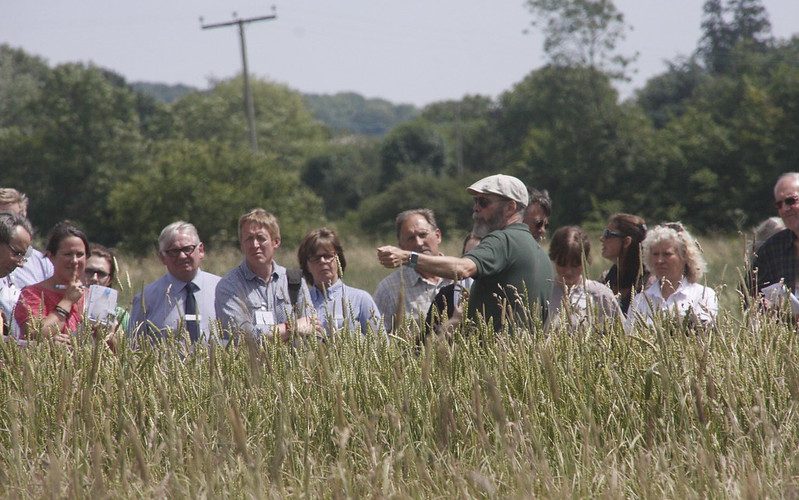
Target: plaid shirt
775, 261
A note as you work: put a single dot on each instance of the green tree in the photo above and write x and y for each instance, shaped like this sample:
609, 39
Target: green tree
286, 130
210, 185
343, 173
413, 147
582, 33
83, 136
446, 196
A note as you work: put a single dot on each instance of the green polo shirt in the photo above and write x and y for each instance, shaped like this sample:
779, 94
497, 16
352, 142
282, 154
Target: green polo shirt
512, 269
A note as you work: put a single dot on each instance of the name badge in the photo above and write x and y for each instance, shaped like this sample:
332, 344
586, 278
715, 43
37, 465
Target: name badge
192, 317
264, 318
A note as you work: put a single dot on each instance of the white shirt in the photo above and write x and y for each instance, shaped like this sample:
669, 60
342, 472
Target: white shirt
689, 297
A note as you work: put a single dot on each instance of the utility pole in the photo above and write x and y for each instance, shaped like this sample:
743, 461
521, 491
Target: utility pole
249, 108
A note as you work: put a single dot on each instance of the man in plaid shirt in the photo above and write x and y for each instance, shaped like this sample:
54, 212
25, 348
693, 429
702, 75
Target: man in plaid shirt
776, 260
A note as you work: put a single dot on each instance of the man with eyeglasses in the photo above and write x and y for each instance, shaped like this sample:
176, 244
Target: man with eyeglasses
184, 296
37, 267
256, 297
539, 209
512, 274
15, 239
776, 260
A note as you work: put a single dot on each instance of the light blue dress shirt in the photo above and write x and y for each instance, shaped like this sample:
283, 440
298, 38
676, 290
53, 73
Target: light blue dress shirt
341, 306
246, 301
161, 306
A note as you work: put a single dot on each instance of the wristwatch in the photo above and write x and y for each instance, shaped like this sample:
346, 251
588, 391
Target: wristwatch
413, 260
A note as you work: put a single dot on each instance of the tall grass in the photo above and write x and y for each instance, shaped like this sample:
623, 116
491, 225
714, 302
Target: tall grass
664, 412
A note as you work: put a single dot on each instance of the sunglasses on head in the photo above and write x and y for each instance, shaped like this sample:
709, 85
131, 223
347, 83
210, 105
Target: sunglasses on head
788, 202
677, 226
609, 233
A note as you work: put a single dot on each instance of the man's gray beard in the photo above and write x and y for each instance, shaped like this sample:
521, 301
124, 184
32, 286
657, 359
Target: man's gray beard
481, 228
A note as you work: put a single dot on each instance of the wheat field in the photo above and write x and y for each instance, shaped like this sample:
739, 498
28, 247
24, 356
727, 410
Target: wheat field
663, 412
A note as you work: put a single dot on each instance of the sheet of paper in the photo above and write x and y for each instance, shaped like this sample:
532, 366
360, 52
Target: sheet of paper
101, 304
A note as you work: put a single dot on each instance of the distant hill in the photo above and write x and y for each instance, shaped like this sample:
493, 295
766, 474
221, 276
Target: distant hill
351, 112
163, 92
345, 112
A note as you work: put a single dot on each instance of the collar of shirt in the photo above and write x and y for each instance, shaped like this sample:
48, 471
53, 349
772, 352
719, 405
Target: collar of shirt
412, 277
176, 286
681, 291
249, 275
329, 292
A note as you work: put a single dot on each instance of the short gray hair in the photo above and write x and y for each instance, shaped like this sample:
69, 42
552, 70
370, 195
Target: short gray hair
9, 223
179, 227
428, 215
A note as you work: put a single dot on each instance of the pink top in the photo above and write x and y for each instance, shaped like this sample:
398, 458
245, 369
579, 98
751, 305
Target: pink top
37, 301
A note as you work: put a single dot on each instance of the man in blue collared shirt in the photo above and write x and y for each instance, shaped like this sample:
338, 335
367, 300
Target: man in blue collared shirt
254, 296
184, 296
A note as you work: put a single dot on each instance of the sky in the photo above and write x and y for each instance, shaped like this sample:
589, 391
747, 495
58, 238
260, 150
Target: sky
406, 51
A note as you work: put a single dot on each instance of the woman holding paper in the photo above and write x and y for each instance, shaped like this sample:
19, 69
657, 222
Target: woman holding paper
54, 307
101, 269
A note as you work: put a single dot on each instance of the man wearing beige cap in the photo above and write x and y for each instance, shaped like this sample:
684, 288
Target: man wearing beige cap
512, 274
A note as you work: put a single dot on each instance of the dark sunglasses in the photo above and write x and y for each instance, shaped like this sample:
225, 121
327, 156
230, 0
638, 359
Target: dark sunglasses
175, 252
482, 201
788, 202
89, 272
609, 233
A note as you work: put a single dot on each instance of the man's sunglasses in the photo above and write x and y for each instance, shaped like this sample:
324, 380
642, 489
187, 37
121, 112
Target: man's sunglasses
788, 202
482, 201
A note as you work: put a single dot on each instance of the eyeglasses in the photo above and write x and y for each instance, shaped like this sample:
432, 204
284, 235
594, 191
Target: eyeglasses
175, 252
19, 255
327, 257
89, 272
788, 202
482, 201
609, 233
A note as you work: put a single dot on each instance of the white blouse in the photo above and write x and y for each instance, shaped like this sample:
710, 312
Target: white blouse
688, 298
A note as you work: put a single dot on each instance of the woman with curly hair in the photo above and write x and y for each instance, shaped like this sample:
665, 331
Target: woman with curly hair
675, 258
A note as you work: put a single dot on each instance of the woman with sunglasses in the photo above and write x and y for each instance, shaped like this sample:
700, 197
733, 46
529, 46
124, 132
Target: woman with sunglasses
675, 258
54, 307
337, 305
101, 269
621, 244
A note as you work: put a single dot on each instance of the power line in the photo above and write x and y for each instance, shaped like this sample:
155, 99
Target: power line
249, 108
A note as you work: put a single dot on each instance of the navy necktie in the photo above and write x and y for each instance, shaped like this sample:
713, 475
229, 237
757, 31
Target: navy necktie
190, 309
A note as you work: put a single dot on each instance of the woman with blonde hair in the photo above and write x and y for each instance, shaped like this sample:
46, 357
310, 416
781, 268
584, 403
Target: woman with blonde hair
675, 258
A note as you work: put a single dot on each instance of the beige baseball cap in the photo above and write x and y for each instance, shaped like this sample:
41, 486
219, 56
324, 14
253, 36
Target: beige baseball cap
502, 185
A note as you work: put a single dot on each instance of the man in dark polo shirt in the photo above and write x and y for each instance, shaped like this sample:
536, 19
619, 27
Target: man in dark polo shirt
512, 274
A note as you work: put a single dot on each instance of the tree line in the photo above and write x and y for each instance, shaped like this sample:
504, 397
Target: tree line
702, 142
